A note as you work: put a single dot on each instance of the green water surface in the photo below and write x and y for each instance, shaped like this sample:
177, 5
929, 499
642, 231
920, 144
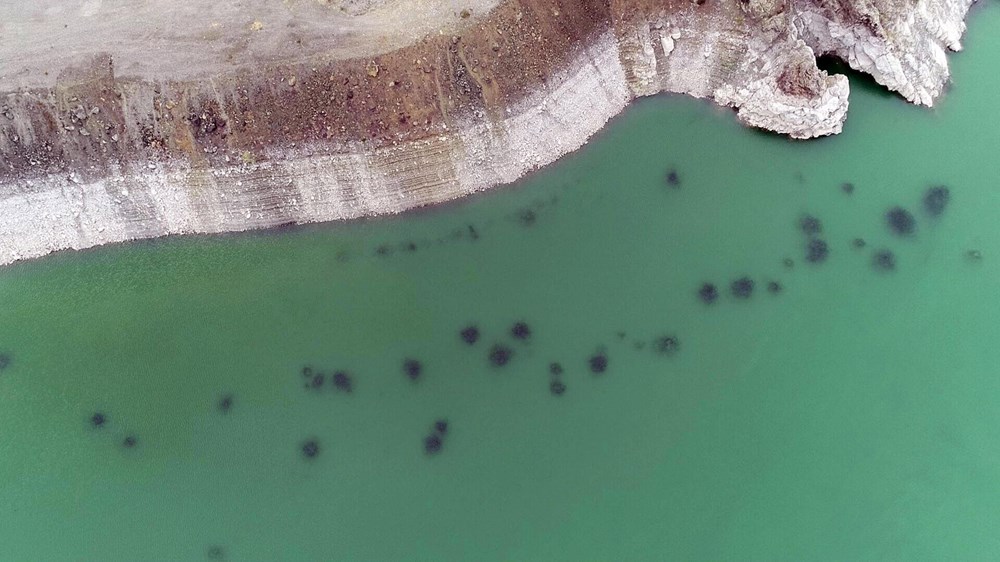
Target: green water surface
853, 416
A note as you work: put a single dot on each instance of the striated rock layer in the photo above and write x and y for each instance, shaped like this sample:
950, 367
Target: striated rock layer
92, 154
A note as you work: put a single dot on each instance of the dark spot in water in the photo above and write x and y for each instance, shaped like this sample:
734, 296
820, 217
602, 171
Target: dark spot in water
520, 331
900, 221
557, 388
470, 334
412, 369
310, 449
974, 255
742, 288
307, 372
130, 442
884, 260
5, 360
98, 419
639, 345
788, 262
410, 247
383, 250
598, 363
847, 187
810, 225
472, 233
673, 179
621, 335
774, 287
225, 403
216, 553
441, 426
936, 199
708, 293
667, 345
555, 369
316, 382
817, 251
527, 217
500, 355
342, 381
433, 444
859, 243
343, 257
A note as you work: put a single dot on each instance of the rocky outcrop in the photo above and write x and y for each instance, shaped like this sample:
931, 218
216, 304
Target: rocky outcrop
103, 155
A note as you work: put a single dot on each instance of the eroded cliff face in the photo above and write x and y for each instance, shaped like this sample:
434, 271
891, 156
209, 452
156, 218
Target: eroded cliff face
103, 155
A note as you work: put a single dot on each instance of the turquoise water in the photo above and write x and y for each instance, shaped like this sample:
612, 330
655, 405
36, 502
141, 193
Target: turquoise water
853, 416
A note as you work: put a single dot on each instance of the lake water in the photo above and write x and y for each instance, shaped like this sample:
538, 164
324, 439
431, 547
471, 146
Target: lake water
854, 415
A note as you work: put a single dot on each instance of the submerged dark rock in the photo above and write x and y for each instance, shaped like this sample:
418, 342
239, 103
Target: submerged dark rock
98, 419
555, 369
742, 288
558, 388
470, 334
667, 345
774, 287
520, 331
788, 263
225, 403
500, 355
5, 360
598, 363
673, 178
884, 260
130, 441
441, 426
412, 369
708, 293
310, 449
817, 251
936, 200
900, 221
810, 225
847, 187
433, 444
343, 381
859, 243
216, 553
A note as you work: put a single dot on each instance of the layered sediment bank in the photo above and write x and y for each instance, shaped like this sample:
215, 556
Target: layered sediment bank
372, 114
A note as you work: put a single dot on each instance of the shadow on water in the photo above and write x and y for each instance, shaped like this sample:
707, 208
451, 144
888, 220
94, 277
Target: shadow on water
833, 64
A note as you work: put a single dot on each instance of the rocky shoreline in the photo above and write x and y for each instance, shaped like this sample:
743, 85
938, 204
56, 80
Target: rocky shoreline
103, 156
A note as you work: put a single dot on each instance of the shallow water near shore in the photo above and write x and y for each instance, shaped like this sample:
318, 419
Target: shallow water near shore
851, 416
